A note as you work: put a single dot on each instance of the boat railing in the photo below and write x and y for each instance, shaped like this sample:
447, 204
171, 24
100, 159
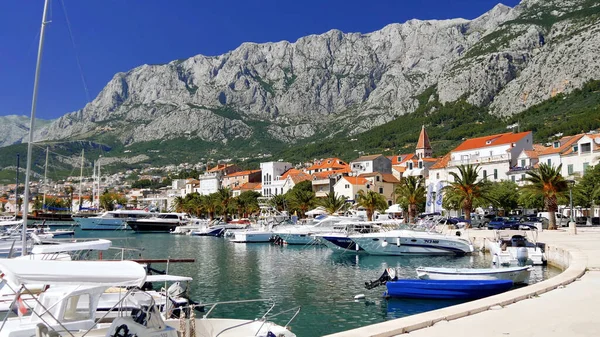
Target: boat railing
263, 318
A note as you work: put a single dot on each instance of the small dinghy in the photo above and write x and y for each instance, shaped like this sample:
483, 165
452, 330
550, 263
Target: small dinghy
446, 289
515, 274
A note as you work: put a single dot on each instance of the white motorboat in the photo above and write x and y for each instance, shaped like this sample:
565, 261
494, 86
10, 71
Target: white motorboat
515, 274
111, 220
305, 234
263, 233
340, 241
192, 225
75, 292
218, 228
512, 248
412, 242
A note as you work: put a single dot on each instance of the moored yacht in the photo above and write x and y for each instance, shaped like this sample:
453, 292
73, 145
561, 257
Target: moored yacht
111, 220
160, 223
512, 248
412, 242
305, 234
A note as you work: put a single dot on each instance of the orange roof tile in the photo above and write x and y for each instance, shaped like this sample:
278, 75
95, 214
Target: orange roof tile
532, 154
423, 142
247, 187
219, 167
403, 158
296, 175
242, 173
399, 168
442, 162
356, 180
566, 145
430, 159
329, 163
386, 177
493, 140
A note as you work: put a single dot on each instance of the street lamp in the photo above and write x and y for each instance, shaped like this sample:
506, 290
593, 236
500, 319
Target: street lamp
572, 227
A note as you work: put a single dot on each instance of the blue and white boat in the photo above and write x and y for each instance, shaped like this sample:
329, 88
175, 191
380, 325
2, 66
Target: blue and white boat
111, 220
412, 242
446, 289
515, 274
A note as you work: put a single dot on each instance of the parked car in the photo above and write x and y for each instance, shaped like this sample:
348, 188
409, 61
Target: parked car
480, 220
529, 222
504, 223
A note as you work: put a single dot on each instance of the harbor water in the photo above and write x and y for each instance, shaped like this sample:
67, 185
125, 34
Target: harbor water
315, 278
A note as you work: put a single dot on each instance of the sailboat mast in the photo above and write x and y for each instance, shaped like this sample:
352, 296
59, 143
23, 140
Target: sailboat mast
31, 129
45, 179
17, 188
99, 180
81, 179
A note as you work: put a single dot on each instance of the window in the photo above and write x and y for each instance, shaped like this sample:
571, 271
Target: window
368, 186
347, 186
78, 308
377, 178
420, 164
556, 144
484, 174
575, 148
512, 178
570, 169
410, 166
495, 173
437, 176
522, 162
367, 164
381, 190
586, 166
522, 177
550, 162
587, 147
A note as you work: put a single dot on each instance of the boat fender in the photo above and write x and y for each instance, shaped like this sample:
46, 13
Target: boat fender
359, 296
384, 243
121, 331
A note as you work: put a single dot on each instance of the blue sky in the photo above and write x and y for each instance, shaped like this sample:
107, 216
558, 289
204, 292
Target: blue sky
117, 35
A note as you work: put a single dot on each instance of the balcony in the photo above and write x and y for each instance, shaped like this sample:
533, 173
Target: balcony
479, 160
520, 169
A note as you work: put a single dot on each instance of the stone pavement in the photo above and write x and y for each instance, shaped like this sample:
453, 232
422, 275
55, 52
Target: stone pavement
565, 305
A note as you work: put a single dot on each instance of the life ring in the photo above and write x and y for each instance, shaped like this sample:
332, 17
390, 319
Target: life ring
121, 331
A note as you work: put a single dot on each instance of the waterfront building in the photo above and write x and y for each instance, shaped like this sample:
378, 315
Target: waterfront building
350, 186
210, 181
240, 178
328, 165
576, 153
292, 177
370, 164
271, 177
191, 186
495, 155
237, 190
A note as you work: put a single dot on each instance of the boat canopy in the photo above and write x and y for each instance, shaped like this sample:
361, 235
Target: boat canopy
97, 273
167, 278
100, 244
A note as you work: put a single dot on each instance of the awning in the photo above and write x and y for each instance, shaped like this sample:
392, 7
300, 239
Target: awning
167, 278
71, 247
94, 273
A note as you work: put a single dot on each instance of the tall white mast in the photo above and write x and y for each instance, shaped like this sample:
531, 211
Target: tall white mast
31, 127
81, 179
45, 179
99, 179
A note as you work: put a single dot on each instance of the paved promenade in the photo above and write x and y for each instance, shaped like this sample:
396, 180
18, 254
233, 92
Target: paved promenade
565, 305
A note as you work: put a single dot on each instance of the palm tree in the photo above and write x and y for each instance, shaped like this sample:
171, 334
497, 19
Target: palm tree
546, 181
465, 191
224, 196
371, 201
333, 202
411, 192
210, 204
179, 204
302, 200
278, 201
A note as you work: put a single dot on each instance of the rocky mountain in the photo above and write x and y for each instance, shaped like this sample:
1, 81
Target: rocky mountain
14, 128
506, 60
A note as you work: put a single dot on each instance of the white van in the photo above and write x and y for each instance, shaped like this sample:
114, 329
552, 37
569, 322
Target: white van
561, 220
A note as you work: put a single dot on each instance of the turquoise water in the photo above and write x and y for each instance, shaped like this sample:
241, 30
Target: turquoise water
323, 283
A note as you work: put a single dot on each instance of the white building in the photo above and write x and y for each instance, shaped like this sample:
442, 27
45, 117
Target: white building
370, 164
496, 155
575, 153
272, 184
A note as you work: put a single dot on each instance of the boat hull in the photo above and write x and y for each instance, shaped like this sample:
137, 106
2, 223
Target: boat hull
340, 243
101, 224
297, 239
515, 274
407, 244
251, 236
446, 289
152, 226
208, 232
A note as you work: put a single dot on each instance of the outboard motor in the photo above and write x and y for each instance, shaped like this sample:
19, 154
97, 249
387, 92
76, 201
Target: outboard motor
522, 256
388, 275
177, 289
